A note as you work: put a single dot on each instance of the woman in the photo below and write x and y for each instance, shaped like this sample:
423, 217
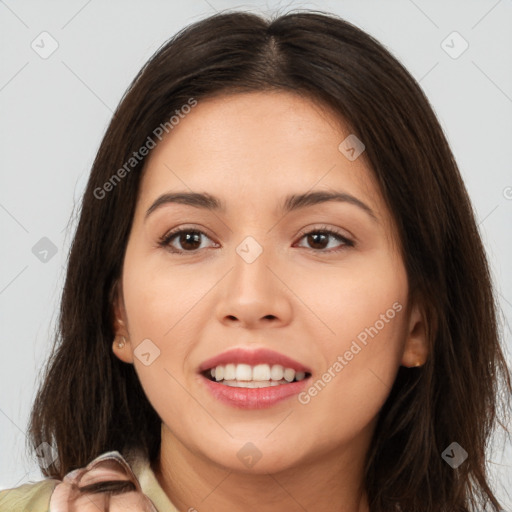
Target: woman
277, 297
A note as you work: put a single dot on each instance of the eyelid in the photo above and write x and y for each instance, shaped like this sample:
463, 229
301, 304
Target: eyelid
325, 228
165, 239
346, 239
185, 227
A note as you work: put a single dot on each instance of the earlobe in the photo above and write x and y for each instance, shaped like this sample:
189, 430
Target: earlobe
122, 349
416, 345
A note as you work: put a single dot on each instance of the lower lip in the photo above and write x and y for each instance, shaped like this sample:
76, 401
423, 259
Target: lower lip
253, 398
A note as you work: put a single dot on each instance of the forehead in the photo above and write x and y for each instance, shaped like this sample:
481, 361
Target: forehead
253, 147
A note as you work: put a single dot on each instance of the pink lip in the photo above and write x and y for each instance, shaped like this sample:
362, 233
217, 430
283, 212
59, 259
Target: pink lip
253, 398
253, 357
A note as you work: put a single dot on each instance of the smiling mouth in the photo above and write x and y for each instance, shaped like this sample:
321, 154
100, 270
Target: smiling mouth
258, 376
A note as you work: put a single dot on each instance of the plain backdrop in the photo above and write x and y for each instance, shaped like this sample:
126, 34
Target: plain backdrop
55, 109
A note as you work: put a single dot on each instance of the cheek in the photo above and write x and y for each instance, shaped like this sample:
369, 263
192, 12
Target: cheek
158, 295
370, 313
168, 304
360, 350
364, 301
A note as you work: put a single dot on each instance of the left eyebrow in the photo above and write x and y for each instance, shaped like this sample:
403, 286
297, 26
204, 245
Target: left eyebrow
297, 201
205, 201
291, 203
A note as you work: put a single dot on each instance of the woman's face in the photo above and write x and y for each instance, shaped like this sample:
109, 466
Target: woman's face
261, 275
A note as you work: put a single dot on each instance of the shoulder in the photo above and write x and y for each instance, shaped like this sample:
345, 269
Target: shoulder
33, 497
109, 474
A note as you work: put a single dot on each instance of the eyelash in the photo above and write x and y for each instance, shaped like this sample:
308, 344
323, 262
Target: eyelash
165, 240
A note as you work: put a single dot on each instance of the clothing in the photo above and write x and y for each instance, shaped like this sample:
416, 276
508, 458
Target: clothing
109, 482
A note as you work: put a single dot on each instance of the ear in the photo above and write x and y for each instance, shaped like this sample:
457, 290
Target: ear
416, 345
121, 345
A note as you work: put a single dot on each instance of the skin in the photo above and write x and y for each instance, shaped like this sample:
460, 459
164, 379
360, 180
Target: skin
298, 298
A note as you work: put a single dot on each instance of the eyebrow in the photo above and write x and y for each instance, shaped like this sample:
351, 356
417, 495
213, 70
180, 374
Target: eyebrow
291, 203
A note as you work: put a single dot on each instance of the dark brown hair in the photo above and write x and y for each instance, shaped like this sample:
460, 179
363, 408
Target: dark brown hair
90, 402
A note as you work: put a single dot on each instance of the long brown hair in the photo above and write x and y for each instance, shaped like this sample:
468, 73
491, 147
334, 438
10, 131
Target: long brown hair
90, 402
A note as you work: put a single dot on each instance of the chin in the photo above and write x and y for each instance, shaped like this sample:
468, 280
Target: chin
254, 457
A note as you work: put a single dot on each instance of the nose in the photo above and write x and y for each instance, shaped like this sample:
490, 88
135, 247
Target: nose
254, 294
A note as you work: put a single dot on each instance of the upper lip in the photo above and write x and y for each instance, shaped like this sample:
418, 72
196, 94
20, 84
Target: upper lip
253, 357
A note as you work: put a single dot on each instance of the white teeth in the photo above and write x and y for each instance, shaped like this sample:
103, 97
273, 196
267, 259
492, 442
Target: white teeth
261, 372
289, 374
277, 372
252, 383
229, 372
261, 375
243, 372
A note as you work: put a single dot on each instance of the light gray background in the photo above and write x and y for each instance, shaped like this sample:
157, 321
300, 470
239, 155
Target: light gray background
54, 113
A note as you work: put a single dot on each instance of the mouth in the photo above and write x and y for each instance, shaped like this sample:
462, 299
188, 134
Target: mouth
253, 379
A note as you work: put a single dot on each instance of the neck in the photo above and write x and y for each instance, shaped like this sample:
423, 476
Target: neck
332, 482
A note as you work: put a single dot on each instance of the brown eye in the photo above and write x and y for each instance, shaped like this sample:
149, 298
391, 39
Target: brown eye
183, 240
189, 240
318, 240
